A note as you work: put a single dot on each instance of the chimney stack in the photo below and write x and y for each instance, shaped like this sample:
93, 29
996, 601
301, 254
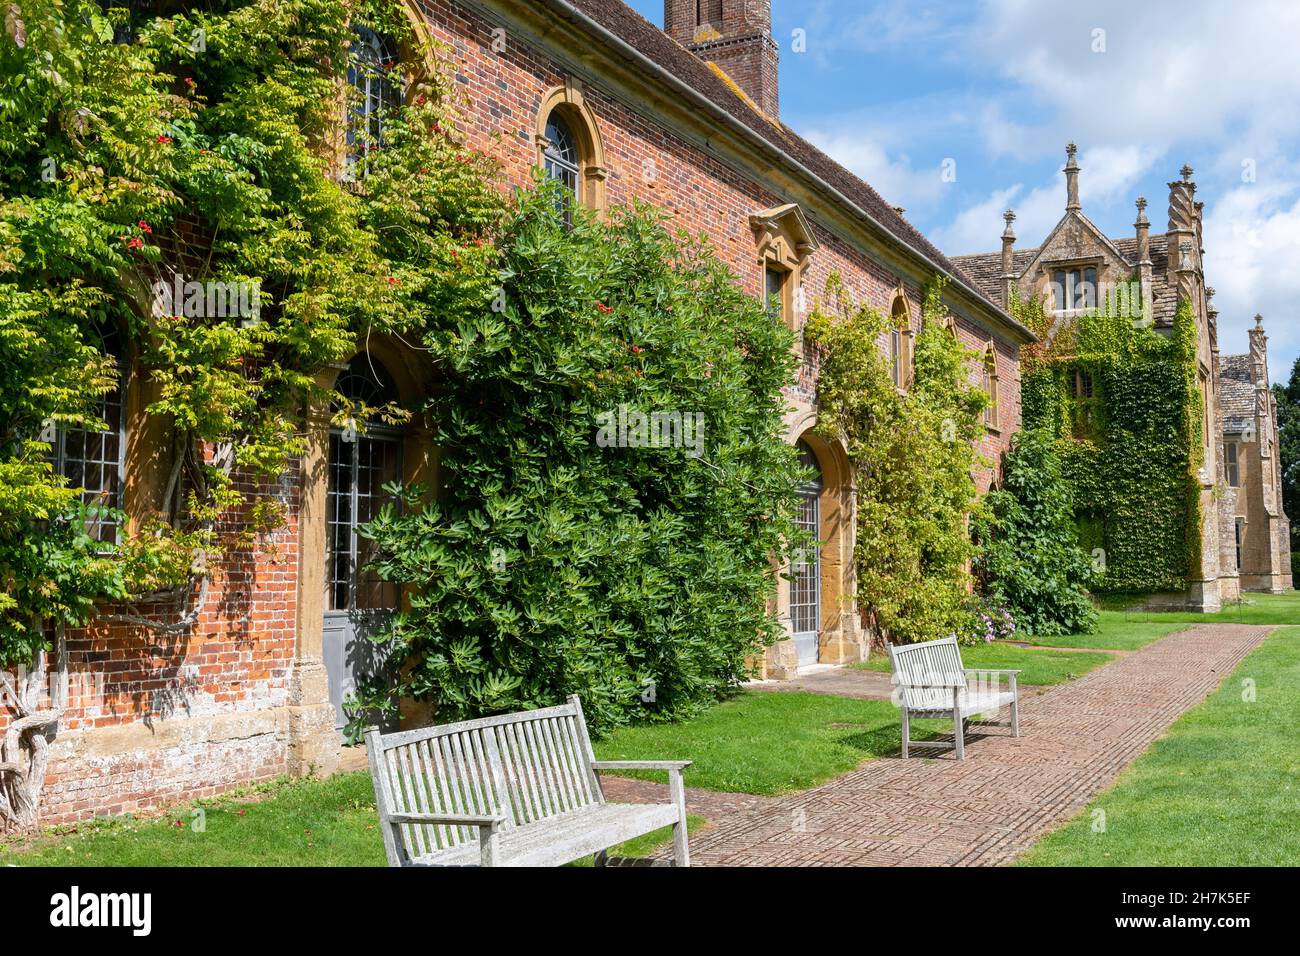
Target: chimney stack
1143, 227
1182, 229
1008, 260
1259, 352
734, 35
1072, 203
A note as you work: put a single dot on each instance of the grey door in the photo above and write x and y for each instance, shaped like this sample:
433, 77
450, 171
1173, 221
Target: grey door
805, 567
356, 600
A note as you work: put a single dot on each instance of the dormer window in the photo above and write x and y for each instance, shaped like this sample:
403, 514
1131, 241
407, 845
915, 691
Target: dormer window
1074, 289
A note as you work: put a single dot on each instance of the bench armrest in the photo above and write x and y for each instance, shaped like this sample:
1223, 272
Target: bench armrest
487, 828
961, 686
990, 670
640, 764
449, 819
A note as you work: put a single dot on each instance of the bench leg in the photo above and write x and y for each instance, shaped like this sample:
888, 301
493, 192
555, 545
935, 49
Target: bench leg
959, 733
601, 859
681, 846
1015, 708
907, 732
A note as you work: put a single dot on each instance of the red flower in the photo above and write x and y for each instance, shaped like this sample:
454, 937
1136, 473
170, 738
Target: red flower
189, 81
604, 308
421, 100
164, 139
144, 226
637, 350
135, 243
392, 280
177, 823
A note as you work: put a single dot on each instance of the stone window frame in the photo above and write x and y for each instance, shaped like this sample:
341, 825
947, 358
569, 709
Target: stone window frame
901, 347
784, 243
1080, 264
1232, 463
991, 383
570, 103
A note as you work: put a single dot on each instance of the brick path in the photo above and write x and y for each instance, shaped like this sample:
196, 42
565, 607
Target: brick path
1075, 739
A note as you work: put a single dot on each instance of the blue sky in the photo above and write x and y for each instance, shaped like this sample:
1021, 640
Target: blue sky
893, 89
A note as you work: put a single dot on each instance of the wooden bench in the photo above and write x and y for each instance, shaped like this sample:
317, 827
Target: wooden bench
932, 682
515, 790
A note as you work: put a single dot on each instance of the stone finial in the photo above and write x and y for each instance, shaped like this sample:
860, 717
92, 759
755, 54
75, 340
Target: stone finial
1142, 211
1185, 255
1072, 179
899, 210
1259, 321
1008, 232
1186, 173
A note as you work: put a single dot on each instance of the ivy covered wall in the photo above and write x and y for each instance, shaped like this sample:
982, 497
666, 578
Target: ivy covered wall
1125, 406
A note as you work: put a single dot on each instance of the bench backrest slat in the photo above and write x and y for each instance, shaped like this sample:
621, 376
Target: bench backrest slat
526, 766
930, 662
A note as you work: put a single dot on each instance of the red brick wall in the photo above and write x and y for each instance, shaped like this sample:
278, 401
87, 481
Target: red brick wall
155, 717
648, 162
171, 717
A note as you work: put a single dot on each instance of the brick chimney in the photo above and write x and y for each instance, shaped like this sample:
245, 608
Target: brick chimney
736, 35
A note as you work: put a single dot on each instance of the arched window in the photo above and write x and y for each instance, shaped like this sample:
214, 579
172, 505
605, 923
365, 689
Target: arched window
374, 95
990, 385
569, 146
561, 153
805, 566
94, 459
900, 327
363, 457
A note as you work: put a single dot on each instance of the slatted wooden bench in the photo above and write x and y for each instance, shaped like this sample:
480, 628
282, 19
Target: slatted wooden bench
516, 790
932, 682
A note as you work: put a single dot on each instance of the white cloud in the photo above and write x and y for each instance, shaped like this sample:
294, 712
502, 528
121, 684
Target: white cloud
866, 151
1252, 245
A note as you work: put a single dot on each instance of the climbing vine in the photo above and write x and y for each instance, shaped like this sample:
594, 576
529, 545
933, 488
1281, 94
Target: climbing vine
616, 486
193, 140
1124, 405
914, 454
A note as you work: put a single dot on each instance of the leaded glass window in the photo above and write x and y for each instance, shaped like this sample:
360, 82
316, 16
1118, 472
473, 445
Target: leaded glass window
375, 95
363, 457
93, 459
561, 156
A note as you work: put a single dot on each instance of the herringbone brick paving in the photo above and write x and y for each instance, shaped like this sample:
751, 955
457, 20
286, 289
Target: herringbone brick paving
1075, 739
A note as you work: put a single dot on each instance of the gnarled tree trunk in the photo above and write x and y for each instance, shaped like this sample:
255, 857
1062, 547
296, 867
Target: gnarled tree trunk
24, 752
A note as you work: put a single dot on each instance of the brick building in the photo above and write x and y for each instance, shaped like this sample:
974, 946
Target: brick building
1244, 533
685, 118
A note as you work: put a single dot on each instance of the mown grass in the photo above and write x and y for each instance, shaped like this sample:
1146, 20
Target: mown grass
287, 823
1117, 631
769, 743
1221, 789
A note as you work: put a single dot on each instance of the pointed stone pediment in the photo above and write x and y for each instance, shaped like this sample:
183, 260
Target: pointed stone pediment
789, 224
1076, 238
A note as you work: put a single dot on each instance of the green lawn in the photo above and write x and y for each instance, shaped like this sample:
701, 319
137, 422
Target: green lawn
1037, 667
289, 823
1221, 789
769, 742
1118, 631
1254, 609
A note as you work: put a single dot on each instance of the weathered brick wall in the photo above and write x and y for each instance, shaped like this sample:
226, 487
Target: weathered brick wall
157, 718
648, 162
154, 717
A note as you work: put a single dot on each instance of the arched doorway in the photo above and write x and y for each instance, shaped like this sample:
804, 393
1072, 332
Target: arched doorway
363, 457
806, 566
